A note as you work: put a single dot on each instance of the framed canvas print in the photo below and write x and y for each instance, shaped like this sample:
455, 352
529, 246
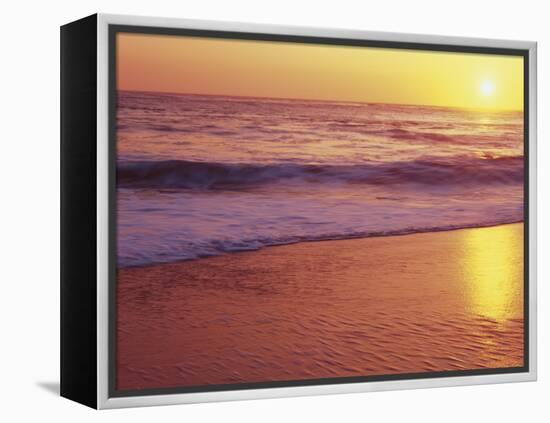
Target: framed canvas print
253, 211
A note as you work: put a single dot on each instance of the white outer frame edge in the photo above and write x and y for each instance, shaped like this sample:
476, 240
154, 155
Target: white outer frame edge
103, 400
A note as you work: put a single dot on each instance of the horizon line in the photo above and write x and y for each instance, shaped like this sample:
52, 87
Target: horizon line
324, 100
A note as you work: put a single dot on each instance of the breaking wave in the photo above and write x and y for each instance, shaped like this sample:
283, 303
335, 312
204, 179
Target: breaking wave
207, 175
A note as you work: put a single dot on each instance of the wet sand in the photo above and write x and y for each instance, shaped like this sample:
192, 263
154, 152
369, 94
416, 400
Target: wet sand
402, 304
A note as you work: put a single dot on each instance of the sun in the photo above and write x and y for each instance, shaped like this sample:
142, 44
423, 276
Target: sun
487, 88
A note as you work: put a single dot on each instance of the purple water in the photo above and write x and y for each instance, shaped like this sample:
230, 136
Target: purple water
200, 176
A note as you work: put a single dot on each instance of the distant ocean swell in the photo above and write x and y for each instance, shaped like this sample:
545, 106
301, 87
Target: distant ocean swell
208, 175
387, 130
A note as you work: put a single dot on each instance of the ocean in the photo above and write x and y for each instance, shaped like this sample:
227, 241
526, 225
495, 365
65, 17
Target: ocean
201, 176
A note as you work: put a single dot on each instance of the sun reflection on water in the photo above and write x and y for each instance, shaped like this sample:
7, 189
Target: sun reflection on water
493, 266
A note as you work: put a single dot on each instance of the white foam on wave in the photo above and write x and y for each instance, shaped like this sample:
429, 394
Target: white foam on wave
158, 227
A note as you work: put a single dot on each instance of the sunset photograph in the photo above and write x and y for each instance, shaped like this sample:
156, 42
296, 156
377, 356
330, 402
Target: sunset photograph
296, 211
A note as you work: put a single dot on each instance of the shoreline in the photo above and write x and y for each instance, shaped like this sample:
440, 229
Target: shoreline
308, 241
423, 302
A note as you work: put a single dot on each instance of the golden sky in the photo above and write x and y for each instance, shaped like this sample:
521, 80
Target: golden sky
182, 64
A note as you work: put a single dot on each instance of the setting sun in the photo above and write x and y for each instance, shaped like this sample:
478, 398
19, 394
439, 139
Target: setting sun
487, 88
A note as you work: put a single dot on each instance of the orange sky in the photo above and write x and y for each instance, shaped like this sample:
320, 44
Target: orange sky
185, 64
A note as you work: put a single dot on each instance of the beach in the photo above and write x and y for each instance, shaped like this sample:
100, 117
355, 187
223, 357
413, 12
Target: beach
279, 235
423, 302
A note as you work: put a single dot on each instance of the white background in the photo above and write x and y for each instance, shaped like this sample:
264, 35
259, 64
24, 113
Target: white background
29, 146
